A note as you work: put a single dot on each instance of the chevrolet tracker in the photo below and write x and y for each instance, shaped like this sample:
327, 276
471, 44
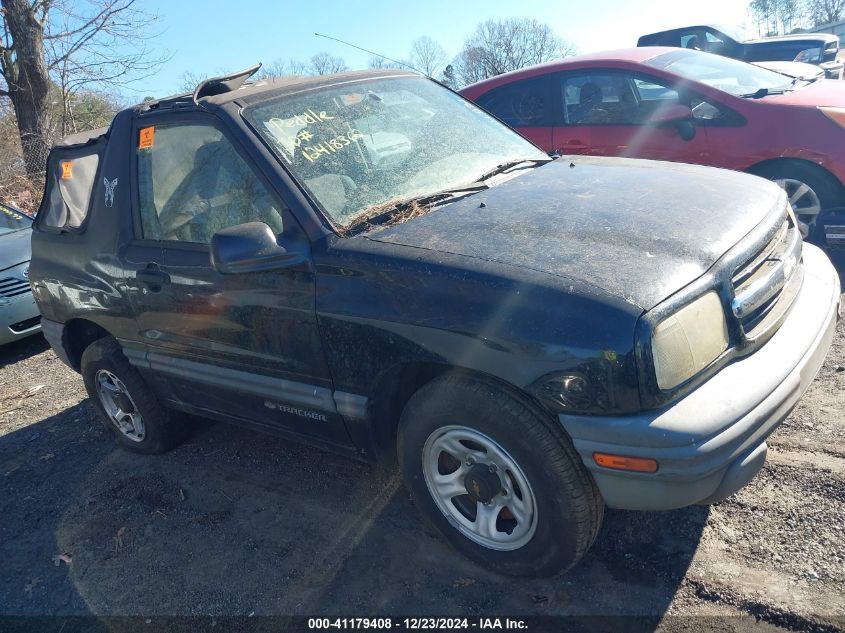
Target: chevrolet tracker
370, 263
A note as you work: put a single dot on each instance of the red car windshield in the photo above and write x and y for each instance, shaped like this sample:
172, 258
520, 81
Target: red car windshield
726, 74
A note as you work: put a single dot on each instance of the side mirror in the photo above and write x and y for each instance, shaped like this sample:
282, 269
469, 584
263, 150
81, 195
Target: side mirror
248, 248
670, 114
678, 115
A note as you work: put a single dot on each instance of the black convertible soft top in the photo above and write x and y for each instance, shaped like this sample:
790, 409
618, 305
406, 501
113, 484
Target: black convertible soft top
273, 86
82, 138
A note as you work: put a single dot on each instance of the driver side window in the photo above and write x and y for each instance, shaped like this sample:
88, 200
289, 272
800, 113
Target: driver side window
599, 98
193, 183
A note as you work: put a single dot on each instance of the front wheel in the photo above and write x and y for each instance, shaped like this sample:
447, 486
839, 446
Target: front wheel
809, 188
500, 482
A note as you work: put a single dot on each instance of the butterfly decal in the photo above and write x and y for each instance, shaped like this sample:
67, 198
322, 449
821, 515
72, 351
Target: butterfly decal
110, 187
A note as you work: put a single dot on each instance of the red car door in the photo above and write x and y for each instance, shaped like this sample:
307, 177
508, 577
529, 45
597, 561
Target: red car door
613, 113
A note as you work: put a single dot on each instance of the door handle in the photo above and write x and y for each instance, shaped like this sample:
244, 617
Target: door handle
153, 277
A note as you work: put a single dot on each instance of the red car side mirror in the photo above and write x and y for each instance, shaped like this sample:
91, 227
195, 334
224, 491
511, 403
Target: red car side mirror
677, 115
670, 114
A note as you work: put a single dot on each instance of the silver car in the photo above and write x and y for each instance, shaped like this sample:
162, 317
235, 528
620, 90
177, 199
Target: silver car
19, 315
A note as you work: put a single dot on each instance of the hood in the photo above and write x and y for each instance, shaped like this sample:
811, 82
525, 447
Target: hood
15, 248
794, 69
824, 92
811, 38
638, 229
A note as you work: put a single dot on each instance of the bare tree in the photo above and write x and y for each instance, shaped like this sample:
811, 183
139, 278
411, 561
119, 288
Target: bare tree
774, 17
282, 68
427, 56
298, 67
85, 110
74, 44
325, 64
789, 13
377, 61
469, 66
499, 46
825, 11
448, 77
189, 80
88, 110
25, 71
319, 64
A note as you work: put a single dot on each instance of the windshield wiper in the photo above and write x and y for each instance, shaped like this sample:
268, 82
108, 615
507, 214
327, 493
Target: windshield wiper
416, 205
407, 208
763, 92
503, 167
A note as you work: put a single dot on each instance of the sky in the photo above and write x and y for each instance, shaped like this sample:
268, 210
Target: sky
207, 38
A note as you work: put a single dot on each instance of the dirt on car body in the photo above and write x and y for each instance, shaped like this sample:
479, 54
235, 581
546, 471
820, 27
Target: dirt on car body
236, 523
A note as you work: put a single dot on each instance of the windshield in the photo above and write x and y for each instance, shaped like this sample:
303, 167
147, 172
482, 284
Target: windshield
734, 32
358, 146
11, 220
723, 73
785, 51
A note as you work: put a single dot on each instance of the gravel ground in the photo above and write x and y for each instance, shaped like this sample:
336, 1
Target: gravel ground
237, 523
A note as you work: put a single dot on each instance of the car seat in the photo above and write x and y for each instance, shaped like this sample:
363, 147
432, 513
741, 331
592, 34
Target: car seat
589, 108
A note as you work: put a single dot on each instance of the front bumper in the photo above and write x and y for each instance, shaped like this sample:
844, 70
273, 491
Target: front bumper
711, 443
833, 70
19, 319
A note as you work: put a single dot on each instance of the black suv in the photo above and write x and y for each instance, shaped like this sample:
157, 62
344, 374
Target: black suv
370, 263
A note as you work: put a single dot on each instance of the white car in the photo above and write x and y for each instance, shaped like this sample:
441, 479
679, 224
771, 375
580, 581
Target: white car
19, 316
798, 70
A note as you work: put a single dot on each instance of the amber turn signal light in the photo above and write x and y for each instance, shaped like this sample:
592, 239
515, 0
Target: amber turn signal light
620, 462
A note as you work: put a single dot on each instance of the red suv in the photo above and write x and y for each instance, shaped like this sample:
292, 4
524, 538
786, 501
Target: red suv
685, 106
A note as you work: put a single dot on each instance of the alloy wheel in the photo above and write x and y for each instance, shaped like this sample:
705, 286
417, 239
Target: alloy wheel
804, 200
119, 406
480, 488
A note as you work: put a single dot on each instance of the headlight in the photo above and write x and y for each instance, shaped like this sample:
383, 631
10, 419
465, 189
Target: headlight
689, 340
809, 55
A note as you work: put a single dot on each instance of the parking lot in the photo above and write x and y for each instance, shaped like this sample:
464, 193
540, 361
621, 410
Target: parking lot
237, 523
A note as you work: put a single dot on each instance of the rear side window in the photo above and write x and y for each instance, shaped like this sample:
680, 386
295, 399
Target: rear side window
72, 177
519, 104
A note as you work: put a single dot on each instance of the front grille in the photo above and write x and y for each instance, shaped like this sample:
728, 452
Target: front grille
13, 287
765, 287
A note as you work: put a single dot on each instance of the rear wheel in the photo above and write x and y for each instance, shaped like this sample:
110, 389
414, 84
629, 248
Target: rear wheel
124, 402
500, 482
810, 188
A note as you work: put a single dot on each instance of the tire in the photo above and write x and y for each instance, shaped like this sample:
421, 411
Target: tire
792, 173
545, 473
160, 430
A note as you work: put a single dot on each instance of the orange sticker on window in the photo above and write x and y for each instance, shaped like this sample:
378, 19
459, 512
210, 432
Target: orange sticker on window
147, 137
67, 169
